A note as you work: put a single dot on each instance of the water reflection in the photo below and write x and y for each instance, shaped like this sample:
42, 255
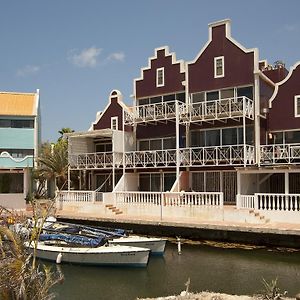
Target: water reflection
234, 271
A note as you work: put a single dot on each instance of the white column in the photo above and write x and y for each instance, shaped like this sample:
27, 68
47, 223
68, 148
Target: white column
69, 180
286, 183
177, 144
238, 189
123, 128
257, 117
25, 182
244, 130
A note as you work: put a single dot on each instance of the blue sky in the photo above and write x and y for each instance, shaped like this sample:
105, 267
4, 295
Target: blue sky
76, 52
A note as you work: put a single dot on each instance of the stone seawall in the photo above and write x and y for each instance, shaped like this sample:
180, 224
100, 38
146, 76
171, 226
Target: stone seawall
259, 236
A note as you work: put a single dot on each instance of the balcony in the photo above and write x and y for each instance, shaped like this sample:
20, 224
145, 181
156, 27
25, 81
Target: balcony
217, 155
153, 112
280, 154
150, 159
230, 108
98, 160
207, 111
202, 156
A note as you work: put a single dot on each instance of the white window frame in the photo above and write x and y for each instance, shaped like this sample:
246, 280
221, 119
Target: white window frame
215, 66
296, 112
114, 123
157, 77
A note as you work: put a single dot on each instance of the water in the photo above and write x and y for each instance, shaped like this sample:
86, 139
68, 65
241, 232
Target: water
233, 271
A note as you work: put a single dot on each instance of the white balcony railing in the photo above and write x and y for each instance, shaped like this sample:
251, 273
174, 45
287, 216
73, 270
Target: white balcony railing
280, 154
216, 155
95, 160
200, 156
209, 199
155, 158
153, 112
79, 196
221, 109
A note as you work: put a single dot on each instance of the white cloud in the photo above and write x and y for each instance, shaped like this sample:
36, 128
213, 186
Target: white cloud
28, 70
86, 58
117, 56
290, 27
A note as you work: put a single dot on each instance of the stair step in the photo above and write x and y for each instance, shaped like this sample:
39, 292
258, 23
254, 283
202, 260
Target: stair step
109, 205
118, 212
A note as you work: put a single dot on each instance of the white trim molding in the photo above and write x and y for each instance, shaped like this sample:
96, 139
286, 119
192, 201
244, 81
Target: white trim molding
296, 111
114, 123
278, 84
160, 77
216, 66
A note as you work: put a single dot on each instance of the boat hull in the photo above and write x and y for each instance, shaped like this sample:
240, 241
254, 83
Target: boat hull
156, 245
104, 256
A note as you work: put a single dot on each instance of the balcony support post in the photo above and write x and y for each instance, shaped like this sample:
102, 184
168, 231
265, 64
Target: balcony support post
123, 148
244, 132
177, 143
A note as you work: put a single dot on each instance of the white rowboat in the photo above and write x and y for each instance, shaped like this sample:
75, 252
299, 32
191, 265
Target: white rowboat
156, 245
111, 255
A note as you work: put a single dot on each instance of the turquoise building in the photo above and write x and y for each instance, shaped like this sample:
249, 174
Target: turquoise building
19, 143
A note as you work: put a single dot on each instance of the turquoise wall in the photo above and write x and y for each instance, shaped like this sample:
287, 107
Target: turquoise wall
7, 162
17, 138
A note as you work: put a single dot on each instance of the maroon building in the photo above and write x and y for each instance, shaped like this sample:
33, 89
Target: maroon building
225, 123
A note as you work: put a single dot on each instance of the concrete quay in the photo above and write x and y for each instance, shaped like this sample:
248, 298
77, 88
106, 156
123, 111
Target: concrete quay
268, 234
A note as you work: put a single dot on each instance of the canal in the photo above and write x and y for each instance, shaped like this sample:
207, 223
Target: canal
210, 268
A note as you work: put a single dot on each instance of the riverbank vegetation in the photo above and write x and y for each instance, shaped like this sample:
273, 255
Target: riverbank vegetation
21, 277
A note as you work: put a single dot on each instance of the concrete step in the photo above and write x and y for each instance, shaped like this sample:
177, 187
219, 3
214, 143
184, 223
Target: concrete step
113, 209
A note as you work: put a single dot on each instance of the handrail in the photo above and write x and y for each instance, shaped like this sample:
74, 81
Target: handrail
280, 153
219, 155
231, 107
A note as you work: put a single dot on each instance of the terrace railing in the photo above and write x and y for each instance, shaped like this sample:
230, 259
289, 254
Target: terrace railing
209, 199
280, 154
277, 202
269, 202
95, 160
80, 196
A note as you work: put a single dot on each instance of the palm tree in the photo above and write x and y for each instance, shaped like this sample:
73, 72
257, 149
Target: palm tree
53, 163
63, 131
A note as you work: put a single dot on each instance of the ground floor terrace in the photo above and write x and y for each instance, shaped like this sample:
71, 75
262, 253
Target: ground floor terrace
250, 195
14, 186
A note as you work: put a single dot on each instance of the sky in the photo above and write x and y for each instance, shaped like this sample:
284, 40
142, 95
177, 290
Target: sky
76, 52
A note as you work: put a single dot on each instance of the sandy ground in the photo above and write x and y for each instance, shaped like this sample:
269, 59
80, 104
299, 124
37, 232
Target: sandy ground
207, 296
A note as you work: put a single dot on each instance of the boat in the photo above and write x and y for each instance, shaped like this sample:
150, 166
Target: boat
106, 255
113, 236
156, 245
